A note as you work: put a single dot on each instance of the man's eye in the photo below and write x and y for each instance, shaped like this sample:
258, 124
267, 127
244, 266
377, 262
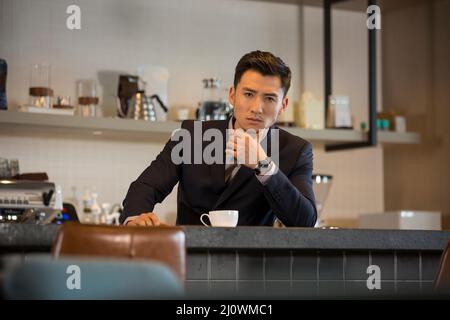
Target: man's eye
248, 94
271, 99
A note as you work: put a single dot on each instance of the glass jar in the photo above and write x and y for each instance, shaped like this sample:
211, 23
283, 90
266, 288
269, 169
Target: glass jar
40, 93
87, 99
4, 168
14, 167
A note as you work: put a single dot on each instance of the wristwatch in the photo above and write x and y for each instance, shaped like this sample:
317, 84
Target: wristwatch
262, 165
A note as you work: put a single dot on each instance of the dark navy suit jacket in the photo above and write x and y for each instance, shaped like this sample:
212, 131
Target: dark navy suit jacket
287, 195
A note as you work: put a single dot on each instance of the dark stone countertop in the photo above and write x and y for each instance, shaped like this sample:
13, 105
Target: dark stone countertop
28, 236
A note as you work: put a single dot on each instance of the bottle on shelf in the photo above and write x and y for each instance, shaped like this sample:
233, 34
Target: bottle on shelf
74, 200
96, 209
87, 207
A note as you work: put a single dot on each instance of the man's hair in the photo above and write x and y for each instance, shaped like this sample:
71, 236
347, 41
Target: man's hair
265, 63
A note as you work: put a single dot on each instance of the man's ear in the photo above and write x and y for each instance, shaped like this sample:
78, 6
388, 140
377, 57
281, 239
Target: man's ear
284, 105
231, 95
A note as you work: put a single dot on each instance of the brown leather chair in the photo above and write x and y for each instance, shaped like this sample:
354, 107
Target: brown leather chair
163, 244
442, 282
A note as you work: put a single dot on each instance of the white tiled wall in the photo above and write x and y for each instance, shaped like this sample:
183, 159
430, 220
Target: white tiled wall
108, 166
192, 39
357, 181
112, 166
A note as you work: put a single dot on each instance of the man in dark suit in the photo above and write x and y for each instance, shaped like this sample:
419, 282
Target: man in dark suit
260, 188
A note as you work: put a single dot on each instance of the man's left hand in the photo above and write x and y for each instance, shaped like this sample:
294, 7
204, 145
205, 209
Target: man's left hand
245, 148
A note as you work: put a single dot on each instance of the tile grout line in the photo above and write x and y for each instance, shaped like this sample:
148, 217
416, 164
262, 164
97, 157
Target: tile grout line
317, 272
344, 265
395, 272
208, 269
264, 270
420, 272
237, 271
291, 274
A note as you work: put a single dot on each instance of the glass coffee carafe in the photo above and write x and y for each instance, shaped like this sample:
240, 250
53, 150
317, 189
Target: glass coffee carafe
214, 105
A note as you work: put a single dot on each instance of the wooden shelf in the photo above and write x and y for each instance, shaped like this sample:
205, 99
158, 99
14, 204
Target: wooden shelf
60, 126
343, 135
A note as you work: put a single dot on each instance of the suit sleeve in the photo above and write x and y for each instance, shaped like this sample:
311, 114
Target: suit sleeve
153, 185
292, 197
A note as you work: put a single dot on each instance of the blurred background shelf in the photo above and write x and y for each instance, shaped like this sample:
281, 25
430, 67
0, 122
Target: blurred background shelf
60, 126
344, 135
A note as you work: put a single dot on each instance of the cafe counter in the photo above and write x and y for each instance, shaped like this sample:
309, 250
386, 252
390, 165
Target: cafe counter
287, 262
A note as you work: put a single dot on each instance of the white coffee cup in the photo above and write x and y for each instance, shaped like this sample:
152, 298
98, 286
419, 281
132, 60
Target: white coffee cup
221, 218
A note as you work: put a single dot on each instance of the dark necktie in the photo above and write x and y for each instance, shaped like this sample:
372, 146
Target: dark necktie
228, 172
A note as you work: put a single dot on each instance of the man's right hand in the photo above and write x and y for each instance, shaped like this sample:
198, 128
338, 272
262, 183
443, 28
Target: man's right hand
148, 219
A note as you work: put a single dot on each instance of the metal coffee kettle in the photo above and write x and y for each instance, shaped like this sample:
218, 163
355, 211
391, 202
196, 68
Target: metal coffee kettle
143, 107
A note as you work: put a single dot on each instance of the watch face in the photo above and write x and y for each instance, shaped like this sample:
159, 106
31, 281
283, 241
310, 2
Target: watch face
264, 163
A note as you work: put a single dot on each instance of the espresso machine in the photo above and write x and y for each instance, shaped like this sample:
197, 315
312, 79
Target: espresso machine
33, 202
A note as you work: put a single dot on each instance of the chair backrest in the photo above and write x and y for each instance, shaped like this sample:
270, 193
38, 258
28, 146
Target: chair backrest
42, 277
163, 244
442, 281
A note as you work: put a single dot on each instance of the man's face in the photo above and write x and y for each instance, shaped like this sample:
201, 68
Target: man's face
257, 100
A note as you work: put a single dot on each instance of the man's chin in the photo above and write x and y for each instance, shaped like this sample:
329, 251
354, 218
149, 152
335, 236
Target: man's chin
254, 126
246, 125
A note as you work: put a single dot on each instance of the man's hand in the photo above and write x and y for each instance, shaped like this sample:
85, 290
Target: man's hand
148, 219
245, 148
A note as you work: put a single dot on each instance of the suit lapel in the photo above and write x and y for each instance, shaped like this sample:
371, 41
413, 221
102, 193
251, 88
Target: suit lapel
217, 170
